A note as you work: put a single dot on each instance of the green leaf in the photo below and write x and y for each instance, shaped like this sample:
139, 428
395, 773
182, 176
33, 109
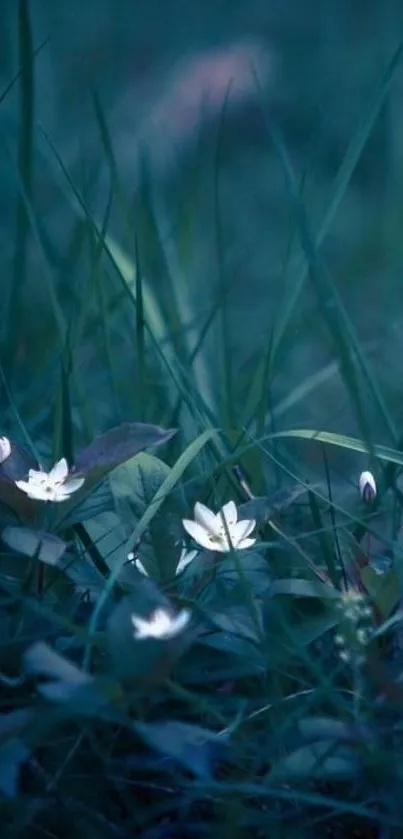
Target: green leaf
13, 754
384, 589
383, 452
192, 746
41, 659
175, 475
324, 760
303, 588
140, 658
247, 568
17, 465
134, 485
237, 621
328, 728
45, 546
16, 500
261, 508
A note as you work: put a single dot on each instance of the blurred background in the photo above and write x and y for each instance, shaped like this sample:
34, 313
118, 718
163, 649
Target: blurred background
156, 111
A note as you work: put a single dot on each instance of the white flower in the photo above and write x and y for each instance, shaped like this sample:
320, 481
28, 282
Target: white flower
185, 559
209, 531
140, 567
50, 486
367, 487
5, 449
161, 624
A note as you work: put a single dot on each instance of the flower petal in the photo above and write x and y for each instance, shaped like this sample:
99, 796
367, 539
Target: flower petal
140, 567
199, 534
185, 559
230, 513
207, 519
141, 626
60, 471
37, 493
5, 449
221, 545
246, 543
73, 485
178, 623
241, 530
24, 486
37, 476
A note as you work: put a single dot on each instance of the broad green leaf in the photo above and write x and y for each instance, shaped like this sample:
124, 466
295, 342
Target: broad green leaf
13, 753
134, 485
236, 621
324, 760
41, 659
303, 588
45, 546
141, 658
328, 728
16, 500
17, 465
194, 747
187, 457
384, 589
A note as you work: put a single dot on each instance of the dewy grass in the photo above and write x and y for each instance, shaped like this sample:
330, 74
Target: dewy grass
258, 690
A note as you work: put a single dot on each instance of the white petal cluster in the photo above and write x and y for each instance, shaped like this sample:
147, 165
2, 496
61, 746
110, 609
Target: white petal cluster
221, 531
367, 487
5, 449
55, 485
160, 625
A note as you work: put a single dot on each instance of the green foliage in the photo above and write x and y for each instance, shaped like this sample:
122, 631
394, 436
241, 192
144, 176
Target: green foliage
257, 691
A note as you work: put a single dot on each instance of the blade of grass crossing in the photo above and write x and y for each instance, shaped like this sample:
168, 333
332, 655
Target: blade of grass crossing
24, 163
336, 318
186, 458
342, 179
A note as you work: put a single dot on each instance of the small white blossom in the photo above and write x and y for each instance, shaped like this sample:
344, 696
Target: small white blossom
161, 624
50, 486
185, 559
209, 531
5, 449
367, 487
140, 567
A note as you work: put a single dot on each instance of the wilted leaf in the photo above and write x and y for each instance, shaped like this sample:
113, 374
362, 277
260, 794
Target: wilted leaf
45, 546
118, 445
194, 747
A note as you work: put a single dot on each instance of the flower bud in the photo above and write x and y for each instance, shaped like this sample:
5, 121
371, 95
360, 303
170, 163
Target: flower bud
367, 487
5, 449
